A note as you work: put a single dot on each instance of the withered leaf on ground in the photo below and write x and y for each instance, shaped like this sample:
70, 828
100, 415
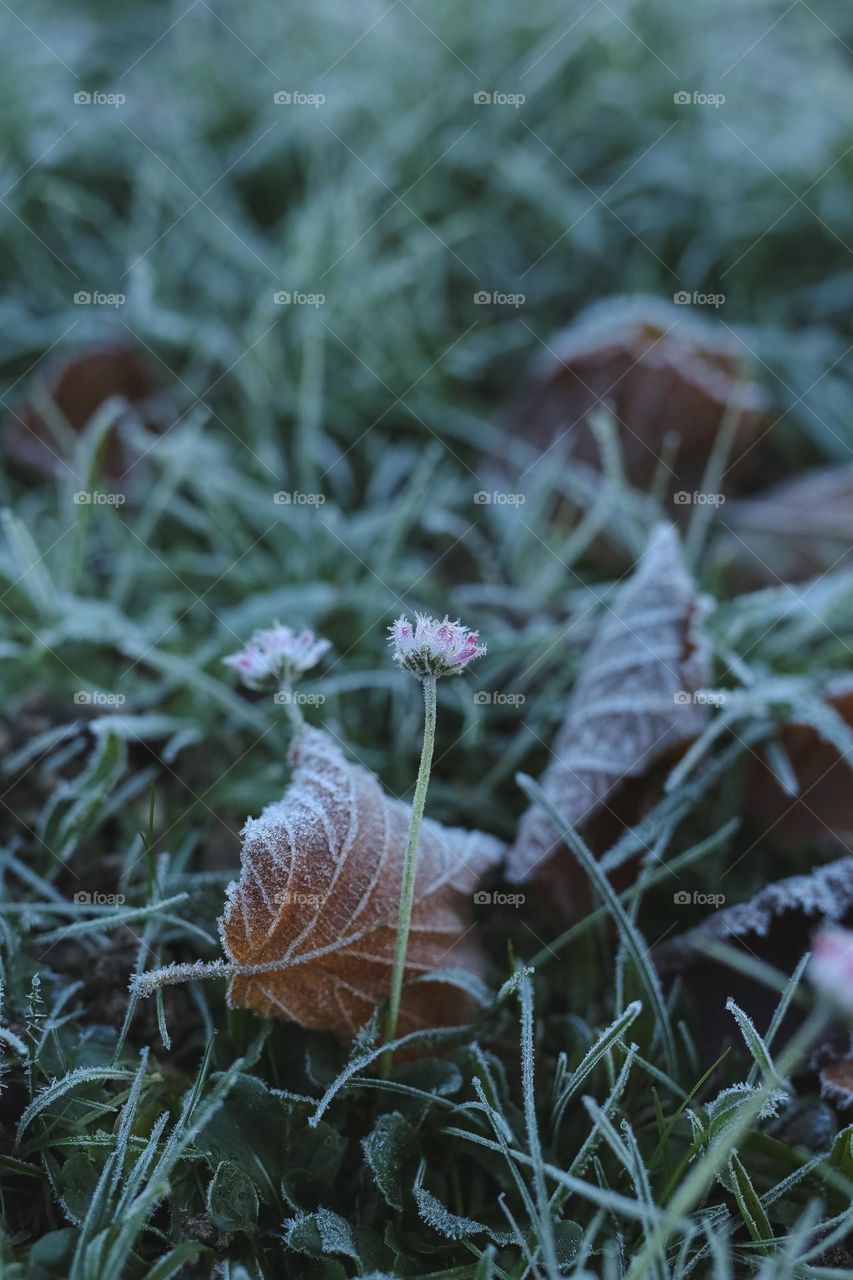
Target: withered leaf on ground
319, 892
821, 814
824, 894
78, 384
776, 926
633, 700
663, 373
836, 1082
793, 530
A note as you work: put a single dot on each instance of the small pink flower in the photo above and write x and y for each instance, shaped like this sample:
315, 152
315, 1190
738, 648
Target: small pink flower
250, 664
831, 966
433, 648
277, 655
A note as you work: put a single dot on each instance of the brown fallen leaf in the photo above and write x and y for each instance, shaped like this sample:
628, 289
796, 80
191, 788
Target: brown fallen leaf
793, 531
633, 701
822, 812
78, 385
836, 1083
776, 926
319, 894
663, 373
767, 921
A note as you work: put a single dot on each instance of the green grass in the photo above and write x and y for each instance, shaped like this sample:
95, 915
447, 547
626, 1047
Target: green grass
138, 1138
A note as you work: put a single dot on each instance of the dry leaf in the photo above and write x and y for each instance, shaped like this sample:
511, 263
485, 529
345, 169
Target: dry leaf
836, 1083
822, 813
793, 531
319, 891
633, 700
662, 372
775, 926
771, 916
78, 386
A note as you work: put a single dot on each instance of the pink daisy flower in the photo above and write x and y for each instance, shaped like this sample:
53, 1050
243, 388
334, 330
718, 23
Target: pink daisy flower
429, 647
277, 655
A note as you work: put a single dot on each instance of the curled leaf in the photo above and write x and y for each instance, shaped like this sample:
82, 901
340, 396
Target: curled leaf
450, 1225
633, 700
775, 927
232, 1200
799, 902
320, 1234
386, 1148
314, 912
664, 374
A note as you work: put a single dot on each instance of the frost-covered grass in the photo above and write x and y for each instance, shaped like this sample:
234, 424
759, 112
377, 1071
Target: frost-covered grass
579, 1126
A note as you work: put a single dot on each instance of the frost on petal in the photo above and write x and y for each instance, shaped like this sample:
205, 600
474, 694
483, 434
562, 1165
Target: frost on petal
319, 892
430, 647
251, 665
402, 635
277, 654
633, 700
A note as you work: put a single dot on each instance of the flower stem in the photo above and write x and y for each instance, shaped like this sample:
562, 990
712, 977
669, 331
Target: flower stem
291, 706
407, 889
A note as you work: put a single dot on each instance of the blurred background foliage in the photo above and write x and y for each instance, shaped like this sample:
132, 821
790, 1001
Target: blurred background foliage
399, 197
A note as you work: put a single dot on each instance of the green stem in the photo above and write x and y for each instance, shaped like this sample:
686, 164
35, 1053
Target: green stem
407, 889
291, 707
